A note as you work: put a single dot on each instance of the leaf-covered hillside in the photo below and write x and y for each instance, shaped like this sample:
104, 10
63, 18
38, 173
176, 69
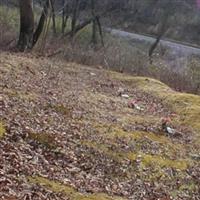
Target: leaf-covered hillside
73, 132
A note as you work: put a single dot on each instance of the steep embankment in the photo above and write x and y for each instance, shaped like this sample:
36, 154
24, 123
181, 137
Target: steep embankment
72, 132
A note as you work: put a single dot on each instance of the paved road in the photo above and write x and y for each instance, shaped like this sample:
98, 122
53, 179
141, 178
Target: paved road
175, 46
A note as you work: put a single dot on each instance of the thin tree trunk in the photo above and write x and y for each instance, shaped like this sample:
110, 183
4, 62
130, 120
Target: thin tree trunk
94, 24
153, 47
44, 33
163, 29
100, 30
53, 17
26, 25
64, 24
74, 17
94, 32
79, 27
42, 21
64, 16
85, 23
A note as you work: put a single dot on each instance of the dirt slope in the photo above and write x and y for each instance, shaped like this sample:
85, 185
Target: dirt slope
72, 132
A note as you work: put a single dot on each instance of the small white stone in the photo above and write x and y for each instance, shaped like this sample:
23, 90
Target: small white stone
125, 96
92, 74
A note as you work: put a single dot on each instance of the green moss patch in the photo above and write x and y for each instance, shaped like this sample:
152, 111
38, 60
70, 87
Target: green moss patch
45, 139
2, 130
70, 192
28, 96
111, 132
145, 159
190, 188
62, 109
185, 105
152, 160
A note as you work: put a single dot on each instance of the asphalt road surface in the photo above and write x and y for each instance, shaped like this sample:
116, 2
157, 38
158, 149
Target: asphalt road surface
177, 47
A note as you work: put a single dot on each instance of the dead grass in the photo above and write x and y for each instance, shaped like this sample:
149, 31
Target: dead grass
130, 57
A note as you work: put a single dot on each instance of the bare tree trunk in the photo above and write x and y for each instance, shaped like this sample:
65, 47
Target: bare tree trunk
26, 25
42, 21
53, 17
65, 16
153, 47
162, 31
94, 24
94, 32
100, 30
80, 26
74, 17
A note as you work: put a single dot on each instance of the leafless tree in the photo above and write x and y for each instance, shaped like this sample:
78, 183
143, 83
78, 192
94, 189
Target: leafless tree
65, 14
94, 23
26, 25
53, 16
42, 21
75, 11
163, 25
